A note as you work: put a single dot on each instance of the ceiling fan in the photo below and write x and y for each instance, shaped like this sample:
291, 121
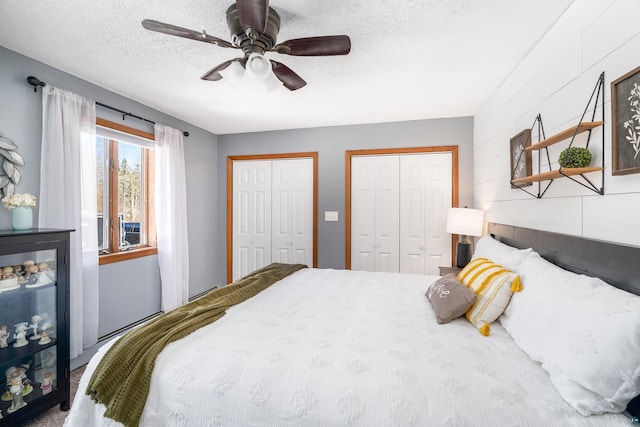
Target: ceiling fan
254, 28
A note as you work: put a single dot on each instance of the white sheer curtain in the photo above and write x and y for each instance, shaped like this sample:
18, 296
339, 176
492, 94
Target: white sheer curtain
68, 200
171, 217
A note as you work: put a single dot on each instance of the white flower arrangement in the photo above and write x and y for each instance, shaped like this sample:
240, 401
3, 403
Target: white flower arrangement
19, 200
633, 132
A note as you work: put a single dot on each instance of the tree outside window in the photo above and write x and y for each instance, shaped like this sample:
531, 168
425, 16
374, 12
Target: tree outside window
124, 196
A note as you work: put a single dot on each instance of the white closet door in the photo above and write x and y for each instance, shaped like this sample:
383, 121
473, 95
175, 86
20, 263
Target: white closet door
425, 196
362, 208
292, 207
252, 216
374, 213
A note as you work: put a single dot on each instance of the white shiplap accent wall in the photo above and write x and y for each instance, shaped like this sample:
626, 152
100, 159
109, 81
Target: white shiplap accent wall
556, 79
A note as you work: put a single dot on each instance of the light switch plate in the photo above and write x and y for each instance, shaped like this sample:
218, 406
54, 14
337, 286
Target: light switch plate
331, 215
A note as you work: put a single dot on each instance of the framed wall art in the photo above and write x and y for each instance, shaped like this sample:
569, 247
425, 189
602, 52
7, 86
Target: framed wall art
625, 114
520, 158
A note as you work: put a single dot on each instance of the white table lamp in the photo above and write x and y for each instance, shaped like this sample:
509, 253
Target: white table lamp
464, 222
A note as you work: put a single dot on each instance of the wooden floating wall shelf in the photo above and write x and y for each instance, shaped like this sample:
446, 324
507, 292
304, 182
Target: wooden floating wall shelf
557, 174
570, 133
565, 134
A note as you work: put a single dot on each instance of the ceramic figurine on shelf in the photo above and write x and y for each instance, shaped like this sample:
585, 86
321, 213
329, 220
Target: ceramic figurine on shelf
44, 332
43, 274
45, 268
20, 335
28, 263
19, 271
27, 268
8, 280
34, 326
4, 336
16, 388
32, 275
47, 384
7, 273
44, 338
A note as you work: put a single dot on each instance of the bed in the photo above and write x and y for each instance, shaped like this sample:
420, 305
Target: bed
324, 347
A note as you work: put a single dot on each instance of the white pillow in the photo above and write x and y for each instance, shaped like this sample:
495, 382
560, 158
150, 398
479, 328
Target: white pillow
505, 255
585, 333
529, 318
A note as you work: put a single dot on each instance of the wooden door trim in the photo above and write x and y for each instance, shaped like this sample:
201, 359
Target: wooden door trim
453, 149
283, 156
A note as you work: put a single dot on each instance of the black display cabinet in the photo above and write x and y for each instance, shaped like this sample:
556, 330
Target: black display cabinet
34, 323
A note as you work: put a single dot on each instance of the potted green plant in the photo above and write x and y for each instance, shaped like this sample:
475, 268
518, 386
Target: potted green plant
575, 157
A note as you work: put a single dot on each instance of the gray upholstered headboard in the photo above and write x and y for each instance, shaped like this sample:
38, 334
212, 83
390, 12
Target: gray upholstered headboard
616, 264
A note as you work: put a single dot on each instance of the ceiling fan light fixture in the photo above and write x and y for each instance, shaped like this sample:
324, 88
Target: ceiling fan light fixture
253, 87
258, 67
233, 74
258, 77
271, 83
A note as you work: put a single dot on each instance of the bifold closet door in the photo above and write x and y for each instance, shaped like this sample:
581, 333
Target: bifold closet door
292, 211
374, 213
272, 213
398, 212
425, 197
251, 216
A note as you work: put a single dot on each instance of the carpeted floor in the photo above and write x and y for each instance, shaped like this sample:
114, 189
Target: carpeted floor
54, 417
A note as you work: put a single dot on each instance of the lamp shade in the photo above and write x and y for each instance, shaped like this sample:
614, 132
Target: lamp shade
233, 74
257, 78
464, 221
258, 67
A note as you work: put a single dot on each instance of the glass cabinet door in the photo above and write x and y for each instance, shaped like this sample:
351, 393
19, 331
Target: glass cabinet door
28, 327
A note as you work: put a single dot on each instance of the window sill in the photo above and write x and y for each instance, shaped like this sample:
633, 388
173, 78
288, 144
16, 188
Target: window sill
125, 255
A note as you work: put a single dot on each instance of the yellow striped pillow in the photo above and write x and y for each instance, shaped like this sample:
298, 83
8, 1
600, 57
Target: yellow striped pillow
493, 286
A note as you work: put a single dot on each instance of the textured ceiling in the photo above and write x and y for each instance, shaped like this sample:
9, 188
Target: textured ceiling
410, 59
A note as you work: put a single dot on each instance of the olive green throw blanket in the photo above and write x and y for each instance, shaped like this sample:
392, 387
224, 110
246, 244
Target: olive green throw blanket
121, 379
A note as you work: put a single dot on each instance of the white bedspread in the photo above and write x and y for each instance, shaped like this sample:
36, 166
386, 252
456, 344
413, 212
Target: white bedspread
342, 348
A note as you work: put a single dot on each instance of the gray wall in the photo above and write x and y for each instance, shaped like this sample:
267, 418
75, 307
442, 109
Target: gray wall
331, 144
129, 290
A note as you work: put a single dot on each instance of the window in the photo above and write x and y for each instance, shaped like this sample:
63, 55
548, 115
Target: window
125, 175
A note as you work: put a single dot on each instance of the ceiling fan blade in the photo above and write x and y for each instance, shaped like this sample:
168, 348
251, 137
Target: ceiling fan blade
315, 46
253, 14
289, 79
174, 30
213, 75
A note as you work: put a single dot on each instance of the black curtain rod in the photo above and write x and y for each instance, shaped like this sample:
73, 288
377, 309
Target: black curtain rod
35, 82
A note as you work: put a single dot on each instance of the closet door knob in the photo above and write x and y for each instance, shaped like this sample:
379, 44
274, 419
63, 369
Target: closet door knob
422, 248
